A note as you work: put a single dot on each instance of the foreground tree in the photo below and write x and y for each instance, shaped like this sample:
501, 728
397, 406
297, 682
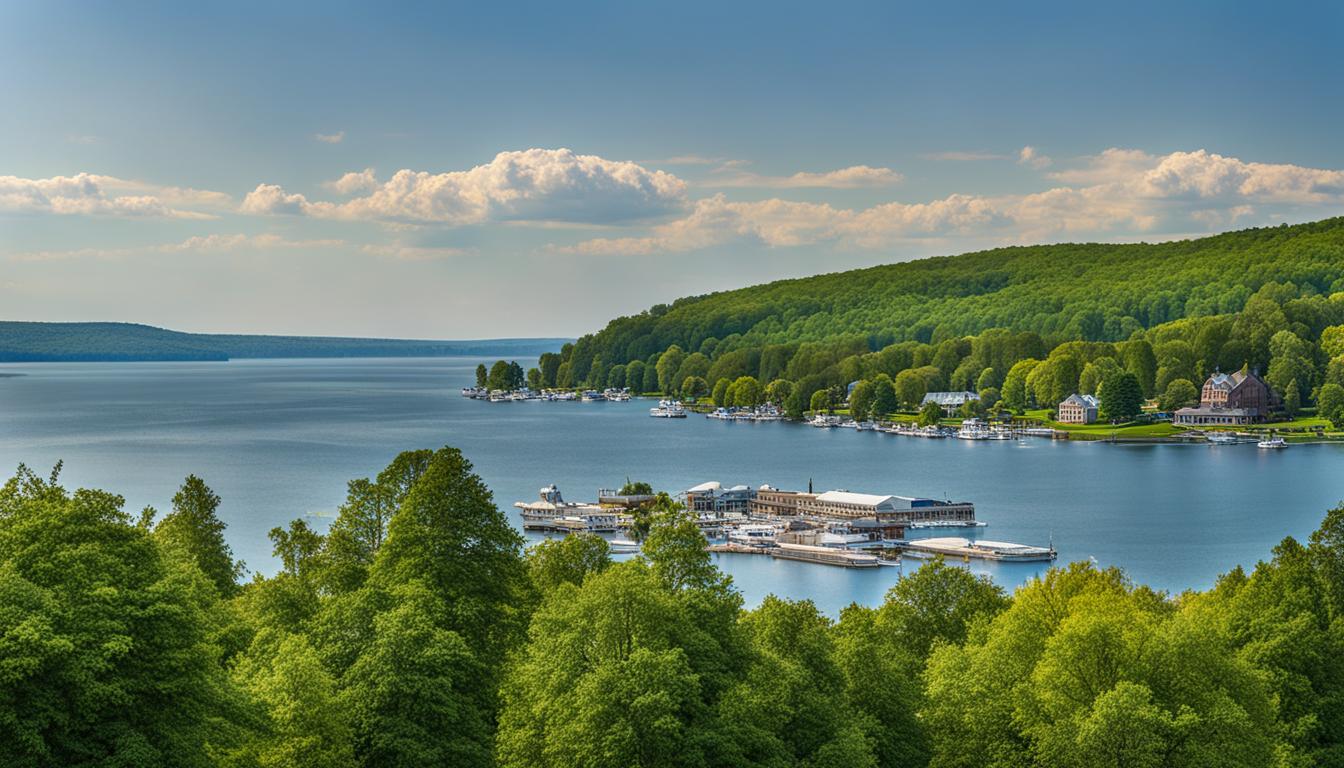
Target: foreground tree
194, 528
106, 649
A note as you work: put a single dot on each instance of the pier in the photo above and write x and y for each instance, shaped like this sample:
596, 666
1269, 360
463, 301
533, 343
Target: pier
969, 549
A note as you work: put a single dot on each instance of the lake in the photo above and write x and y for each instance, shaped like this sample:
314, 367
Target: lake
277, 439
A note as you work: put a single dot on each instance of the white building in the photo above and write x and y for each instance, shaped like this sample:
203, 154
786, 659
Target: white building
950, 402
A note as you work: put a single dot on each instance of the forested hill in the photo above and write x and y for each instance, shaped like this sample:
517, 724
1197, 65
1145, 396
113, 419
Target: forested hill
49, 342
1093, 292
1024, 325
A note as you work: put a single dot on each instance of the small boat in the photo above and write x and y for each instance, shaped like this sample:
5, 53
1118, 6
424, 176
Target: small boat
623, 547
593, 396
1272, 442
824, 420
668, 409
1222, 438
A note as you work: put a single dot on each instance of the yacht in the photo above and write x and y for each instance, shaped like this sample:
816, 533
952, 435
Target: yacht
1272, 442
550, 512
824, 420
593, 396
973, 429
754, 535
668, 409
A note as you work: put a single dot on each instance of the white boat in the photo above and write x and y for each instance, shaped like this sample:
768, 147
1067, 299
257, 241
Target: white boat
623, 546
593, 396
824, 420
550, 512
1272, 442
754, 535
723, 414
668, 409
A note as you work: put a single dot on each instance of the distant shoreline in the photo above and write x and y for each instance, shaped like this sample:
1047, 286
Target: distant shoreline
35, 342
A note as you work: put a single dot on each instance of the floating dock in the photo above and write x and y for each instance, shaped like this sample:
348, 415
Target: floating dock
805, 553
969, 549
824, 555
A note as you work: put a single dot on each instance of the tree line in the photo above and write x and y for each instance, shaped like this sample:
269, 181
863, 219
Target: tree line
1030, 325
417, 631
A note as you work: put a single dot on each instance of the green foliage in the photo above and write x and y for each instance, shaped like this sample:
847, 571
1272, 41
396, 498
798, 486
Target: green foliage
1121, 397
107, 650
821, 401
930, 414
861, 400
194, 528
910, 388
116, 649
694, 386
567, 560
1330, 404
1179, 394
482, 376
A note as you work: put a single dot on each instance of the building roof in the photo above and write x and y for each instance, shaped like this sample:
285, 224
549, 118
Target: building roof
712, 485
1227, 381
949, 398
1086, 401
857, 499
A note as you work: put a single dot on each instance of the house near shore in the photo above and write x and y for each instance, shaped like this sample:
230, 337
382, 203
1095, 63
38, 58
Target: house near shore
950, 402
1230, 399
1077, 409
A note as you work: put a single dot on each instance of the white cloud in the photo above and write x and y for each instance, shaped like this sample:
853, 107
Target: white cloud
94, 195
853, 177
330, 138
1032, 158
530, 185
272, 199
354, 181
1119, 192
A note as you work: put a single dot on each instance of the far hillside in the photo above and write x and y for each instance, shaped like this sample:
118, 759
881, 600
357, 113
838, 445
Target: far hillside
1026, 326
53, 342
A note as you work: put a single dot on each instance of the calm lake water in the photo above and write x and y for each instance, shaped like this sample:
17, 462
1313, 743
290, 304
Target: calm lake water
277, 439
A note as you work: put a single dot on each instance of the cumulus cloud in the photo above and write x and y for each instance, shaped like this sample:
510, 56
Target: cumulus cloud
330, 138
1119, 191
530, 185
95, 195
853, 177
1032, 158
354, 181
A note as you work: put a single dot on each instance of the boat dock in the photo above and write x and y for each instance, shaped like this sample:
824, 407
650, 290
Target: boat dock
970, 549
845, 558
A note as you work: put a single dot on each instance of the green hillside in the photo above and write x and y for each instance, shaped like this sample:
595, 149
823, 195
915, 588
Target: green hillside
47, 342
1161, 311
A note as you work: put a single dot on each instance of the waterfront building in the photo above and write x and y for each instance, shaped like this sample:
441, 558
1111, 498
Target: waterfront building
772, 502
713, 497
1230, 399
950, 402
1077, 409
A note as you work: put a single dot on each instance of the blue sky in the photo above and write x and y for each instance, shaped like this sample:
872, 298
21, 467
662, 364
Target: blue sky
536, 169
